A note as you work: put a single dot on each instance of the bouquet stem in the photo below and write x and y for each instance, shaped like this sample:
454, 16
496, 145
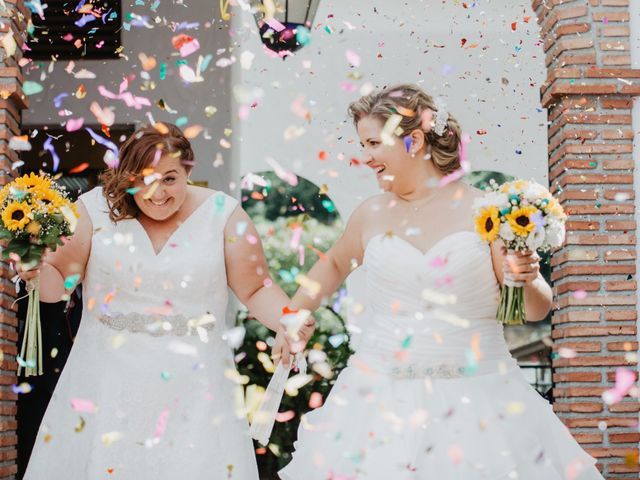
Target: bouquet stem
512, 310
31, 351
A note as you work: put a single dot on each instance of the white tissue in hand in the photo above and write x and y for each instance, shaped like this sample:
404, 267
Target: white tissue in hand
293, 322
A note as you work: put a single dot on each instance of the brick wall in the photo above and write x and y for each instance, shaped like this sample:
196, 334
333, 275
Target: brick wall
589, 92
12, 19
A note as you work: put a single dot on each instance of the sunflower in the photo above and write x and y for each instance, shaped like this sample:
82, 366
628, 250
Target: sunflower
16, 215
50, 199
31, 182
488, 223
521, 220
554, 208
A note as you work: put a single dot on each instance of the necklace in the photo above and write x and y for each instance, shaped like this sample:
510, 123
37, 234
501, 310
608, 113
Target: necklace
422, 201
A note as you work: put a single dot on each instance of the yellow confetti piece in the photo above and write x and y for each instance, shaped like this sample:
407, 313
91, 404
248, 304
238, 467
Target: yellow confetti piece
108, 438
80, 425
224, 6
390, 126
117, 341
267, 364
515, 408
295, 383
54, 352
233, 375
311, 287
323, 369
151, 190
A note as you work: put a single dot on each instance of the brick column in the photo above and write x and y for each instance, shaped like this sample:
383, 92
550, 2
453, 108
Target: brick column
589, 92
13, 20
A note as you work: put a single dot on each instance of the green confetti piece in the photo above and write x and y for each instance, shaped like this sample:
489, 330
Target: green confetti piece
163, 71
31, 88
71, 281
303, 35
133, 190
182, 121
328, 205
406, 343
165, 375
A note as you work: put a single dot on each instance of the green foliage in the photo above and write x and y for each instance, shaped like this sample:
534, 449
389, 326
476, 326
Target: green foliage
276, 221
279, 199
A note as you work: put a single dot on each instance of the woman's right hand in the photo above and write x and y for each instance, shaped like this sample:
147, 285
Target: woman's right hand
27, 274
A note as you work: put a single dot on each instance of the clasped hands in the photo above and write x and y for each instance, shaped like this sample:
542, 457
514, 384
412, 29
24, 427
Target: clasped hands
294, 331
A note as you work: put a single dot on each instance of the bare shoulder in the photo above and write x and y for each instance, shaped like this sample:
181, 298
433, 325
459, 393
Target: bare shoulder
471, 191
373, 206
200, 194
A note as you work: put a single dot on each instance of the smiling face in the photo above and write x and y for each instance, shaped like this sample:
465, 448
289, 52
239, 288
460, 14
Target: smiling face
394, 167
165, 189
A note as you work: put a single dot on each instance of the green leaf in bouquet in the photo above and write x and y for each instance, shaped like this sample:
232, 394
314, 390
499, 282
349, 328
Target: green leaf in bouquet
18, 246
5, 234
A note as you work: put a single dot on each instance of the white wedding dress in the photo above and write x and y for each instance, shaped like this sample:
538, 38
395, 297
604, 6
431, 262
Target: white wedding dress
432, 392
148, 390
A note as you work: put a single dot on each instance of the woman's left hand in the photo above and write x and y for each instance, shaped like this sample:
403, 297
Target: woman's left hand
521, 266
281, 350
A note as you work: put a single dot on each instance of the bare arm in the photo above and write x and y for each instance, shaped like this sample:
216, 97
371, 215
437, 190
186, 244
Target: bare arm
70, 259
331, 270
538, 296
248, 273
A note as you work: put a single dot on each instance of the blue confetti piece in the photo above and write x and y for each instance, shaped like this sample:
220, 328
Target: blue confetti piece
407, 143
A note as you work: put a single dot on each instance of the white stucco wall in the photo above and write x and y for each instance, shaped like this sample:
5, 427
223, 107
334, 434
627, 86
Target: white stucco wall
490, 87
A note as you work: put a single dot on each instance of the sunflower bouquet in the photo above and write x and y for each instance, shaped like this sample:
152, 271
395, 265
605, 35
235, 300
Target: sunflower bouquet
36, 215
526, 217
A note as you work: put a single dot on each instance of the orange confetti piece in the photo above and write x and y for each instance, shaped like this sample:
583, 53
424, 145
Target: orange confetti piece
405, 112
106, 131
81, 92
193, 131
514, 25
80, 168
322, 155
257, 196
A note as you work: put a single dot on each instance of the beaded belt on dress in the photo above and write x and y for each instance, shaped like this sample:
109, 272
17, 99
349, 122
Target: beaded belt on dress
157, 325
416, 370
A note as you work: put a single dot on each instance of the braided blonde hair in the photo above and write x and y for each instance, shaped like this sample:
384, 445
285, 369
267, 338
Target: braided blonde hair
406, 98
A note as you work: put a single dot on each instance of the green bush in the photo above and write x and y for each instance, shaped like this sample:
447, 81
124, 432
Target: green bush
331, 336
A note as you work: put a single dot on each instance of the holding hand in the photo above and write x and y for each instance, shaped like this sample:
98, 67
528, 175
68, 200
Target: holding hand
521, 267
297, 329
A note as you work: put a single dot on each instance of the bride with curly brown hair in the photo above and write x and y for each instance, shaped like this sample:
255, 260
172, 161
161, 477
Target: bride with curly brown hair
150, 389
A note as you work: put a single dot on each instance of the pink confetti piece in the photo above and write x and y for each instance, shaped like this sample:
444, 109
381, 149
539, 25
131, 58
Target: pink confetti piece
301, 255
289, 177
285, 416
348, 86
74, 124
275, 24
161, 423
128, 98
567, 352
295, 238
252, 239
315, 400
455, 454
353, 58
625, 380
83, 406
189, 47
438, 262
580, 294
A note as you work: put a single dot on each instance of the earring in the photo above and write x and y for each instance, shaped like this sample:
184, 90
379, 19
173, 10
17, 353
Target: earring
413, 154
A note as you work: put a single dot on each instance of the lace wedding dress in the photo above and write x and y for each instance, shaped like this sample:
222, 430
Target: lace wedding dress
432, 392
148, 391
